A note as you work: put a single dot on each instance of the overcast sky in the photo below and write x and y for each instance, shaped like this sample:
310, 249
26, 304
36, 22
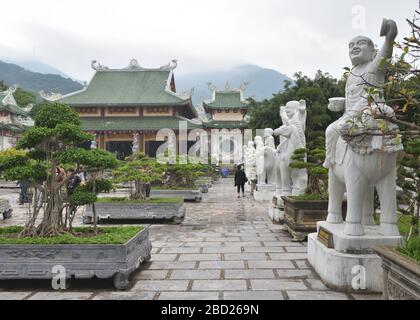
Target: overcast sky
286, 35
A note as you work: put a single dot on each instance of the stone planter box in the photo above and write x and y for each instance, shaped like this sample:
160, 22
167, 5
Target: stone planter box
107, 211
187, 195
104, 261
301, 216
401, 275
5, 209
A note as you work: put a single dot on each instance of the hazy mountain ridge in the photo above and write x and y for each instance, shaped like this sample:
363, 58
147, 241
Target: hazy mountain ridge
262, 82
13, 74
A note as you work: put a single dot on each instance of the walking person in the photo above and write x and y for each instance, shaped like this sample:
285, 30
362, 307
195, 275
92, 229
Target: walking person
240, 180
23, 195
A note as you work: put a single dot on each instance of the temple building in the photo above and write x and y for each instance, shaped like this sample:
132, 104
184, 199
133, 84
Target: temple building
126, 108
14, 120
120, 106
227, 108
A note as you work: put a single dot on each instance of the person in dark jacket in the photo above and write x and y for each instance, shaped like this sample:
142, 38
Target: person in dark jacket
240, 180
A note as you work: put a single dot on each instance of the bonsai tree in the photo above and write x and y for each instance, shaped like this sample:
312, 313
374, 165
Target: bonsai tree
139, 170
312, 161
182, 174
42, 154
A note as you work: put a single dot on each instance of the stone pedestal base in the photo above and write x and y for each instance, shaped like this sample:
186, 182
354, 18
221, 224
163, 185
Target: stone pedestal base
276, 210
264, 192
349, 263
335, 268
358, 245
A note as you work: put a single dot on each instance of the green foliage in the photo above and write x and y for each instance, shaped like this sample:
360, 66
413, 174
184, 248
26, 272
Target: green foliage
139, 167
109, 235
182, 175
53, 114
312, 161
52, 144
101, 186
93, 159
139, 170
23, 98
412, 249
315, 91
81, 197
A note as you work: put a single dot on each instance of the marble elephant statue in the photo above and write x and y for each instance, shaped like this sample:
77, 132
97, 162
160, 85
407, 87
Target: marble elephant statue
293, 181
359, 168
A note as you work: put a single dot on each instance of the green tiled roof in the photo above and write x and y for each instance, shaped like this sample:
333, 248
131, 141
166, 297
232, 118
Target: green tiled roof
134, 123
125, 87
226, 124
11, 107
11, 127
227, 100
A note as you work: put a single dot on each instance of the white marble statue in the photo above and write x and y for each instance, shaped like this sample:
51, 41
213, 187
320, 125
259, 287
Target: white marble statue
250, 161
358, 159
292, 137
93, 143
135, 145
259, 158
269, 156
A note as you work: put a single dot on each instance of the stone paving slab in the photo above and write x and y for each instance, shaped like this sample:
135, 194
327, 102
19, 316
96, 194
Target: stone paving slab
316, 295
195, 274
219, 285
189, 295
66, 295
161, 285
249, 274
14, 295
278, 285
222, 265
253, 295
226, 248
125, 296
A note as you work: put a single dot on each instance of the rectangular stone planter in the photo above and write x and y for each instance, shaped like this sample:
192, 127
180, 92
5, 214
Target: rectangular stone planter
107, 211
36, 261
401, 275
5, 209
187, 195
301, 216
204, 187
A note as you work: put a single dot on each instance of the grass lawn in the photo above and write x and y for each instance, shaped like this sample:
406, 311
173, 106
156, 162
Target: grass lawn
83, 235
404, 223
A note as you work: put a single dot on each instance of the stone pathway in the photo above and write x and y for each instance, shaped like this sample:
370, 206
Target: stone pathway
226, 249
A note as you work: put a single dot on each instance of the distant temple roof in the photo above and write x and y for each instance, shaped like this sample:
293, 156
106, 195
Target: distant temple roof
8, 102
213, 124
227, 98
133, 85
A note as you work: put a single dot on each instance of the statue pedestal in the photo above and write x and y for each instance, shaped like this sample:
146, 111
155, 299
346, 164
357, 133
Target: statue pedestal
276, 209
348, 263
264, 192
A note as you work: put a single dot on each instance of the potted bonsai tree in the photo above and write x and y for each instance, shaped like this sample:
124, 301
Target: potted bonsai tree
48, 239
139, 171
301, 213
180, 181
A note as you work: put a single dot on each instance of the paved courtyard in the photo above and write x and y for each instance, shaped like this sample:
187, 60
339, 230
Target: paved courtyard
226, 249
